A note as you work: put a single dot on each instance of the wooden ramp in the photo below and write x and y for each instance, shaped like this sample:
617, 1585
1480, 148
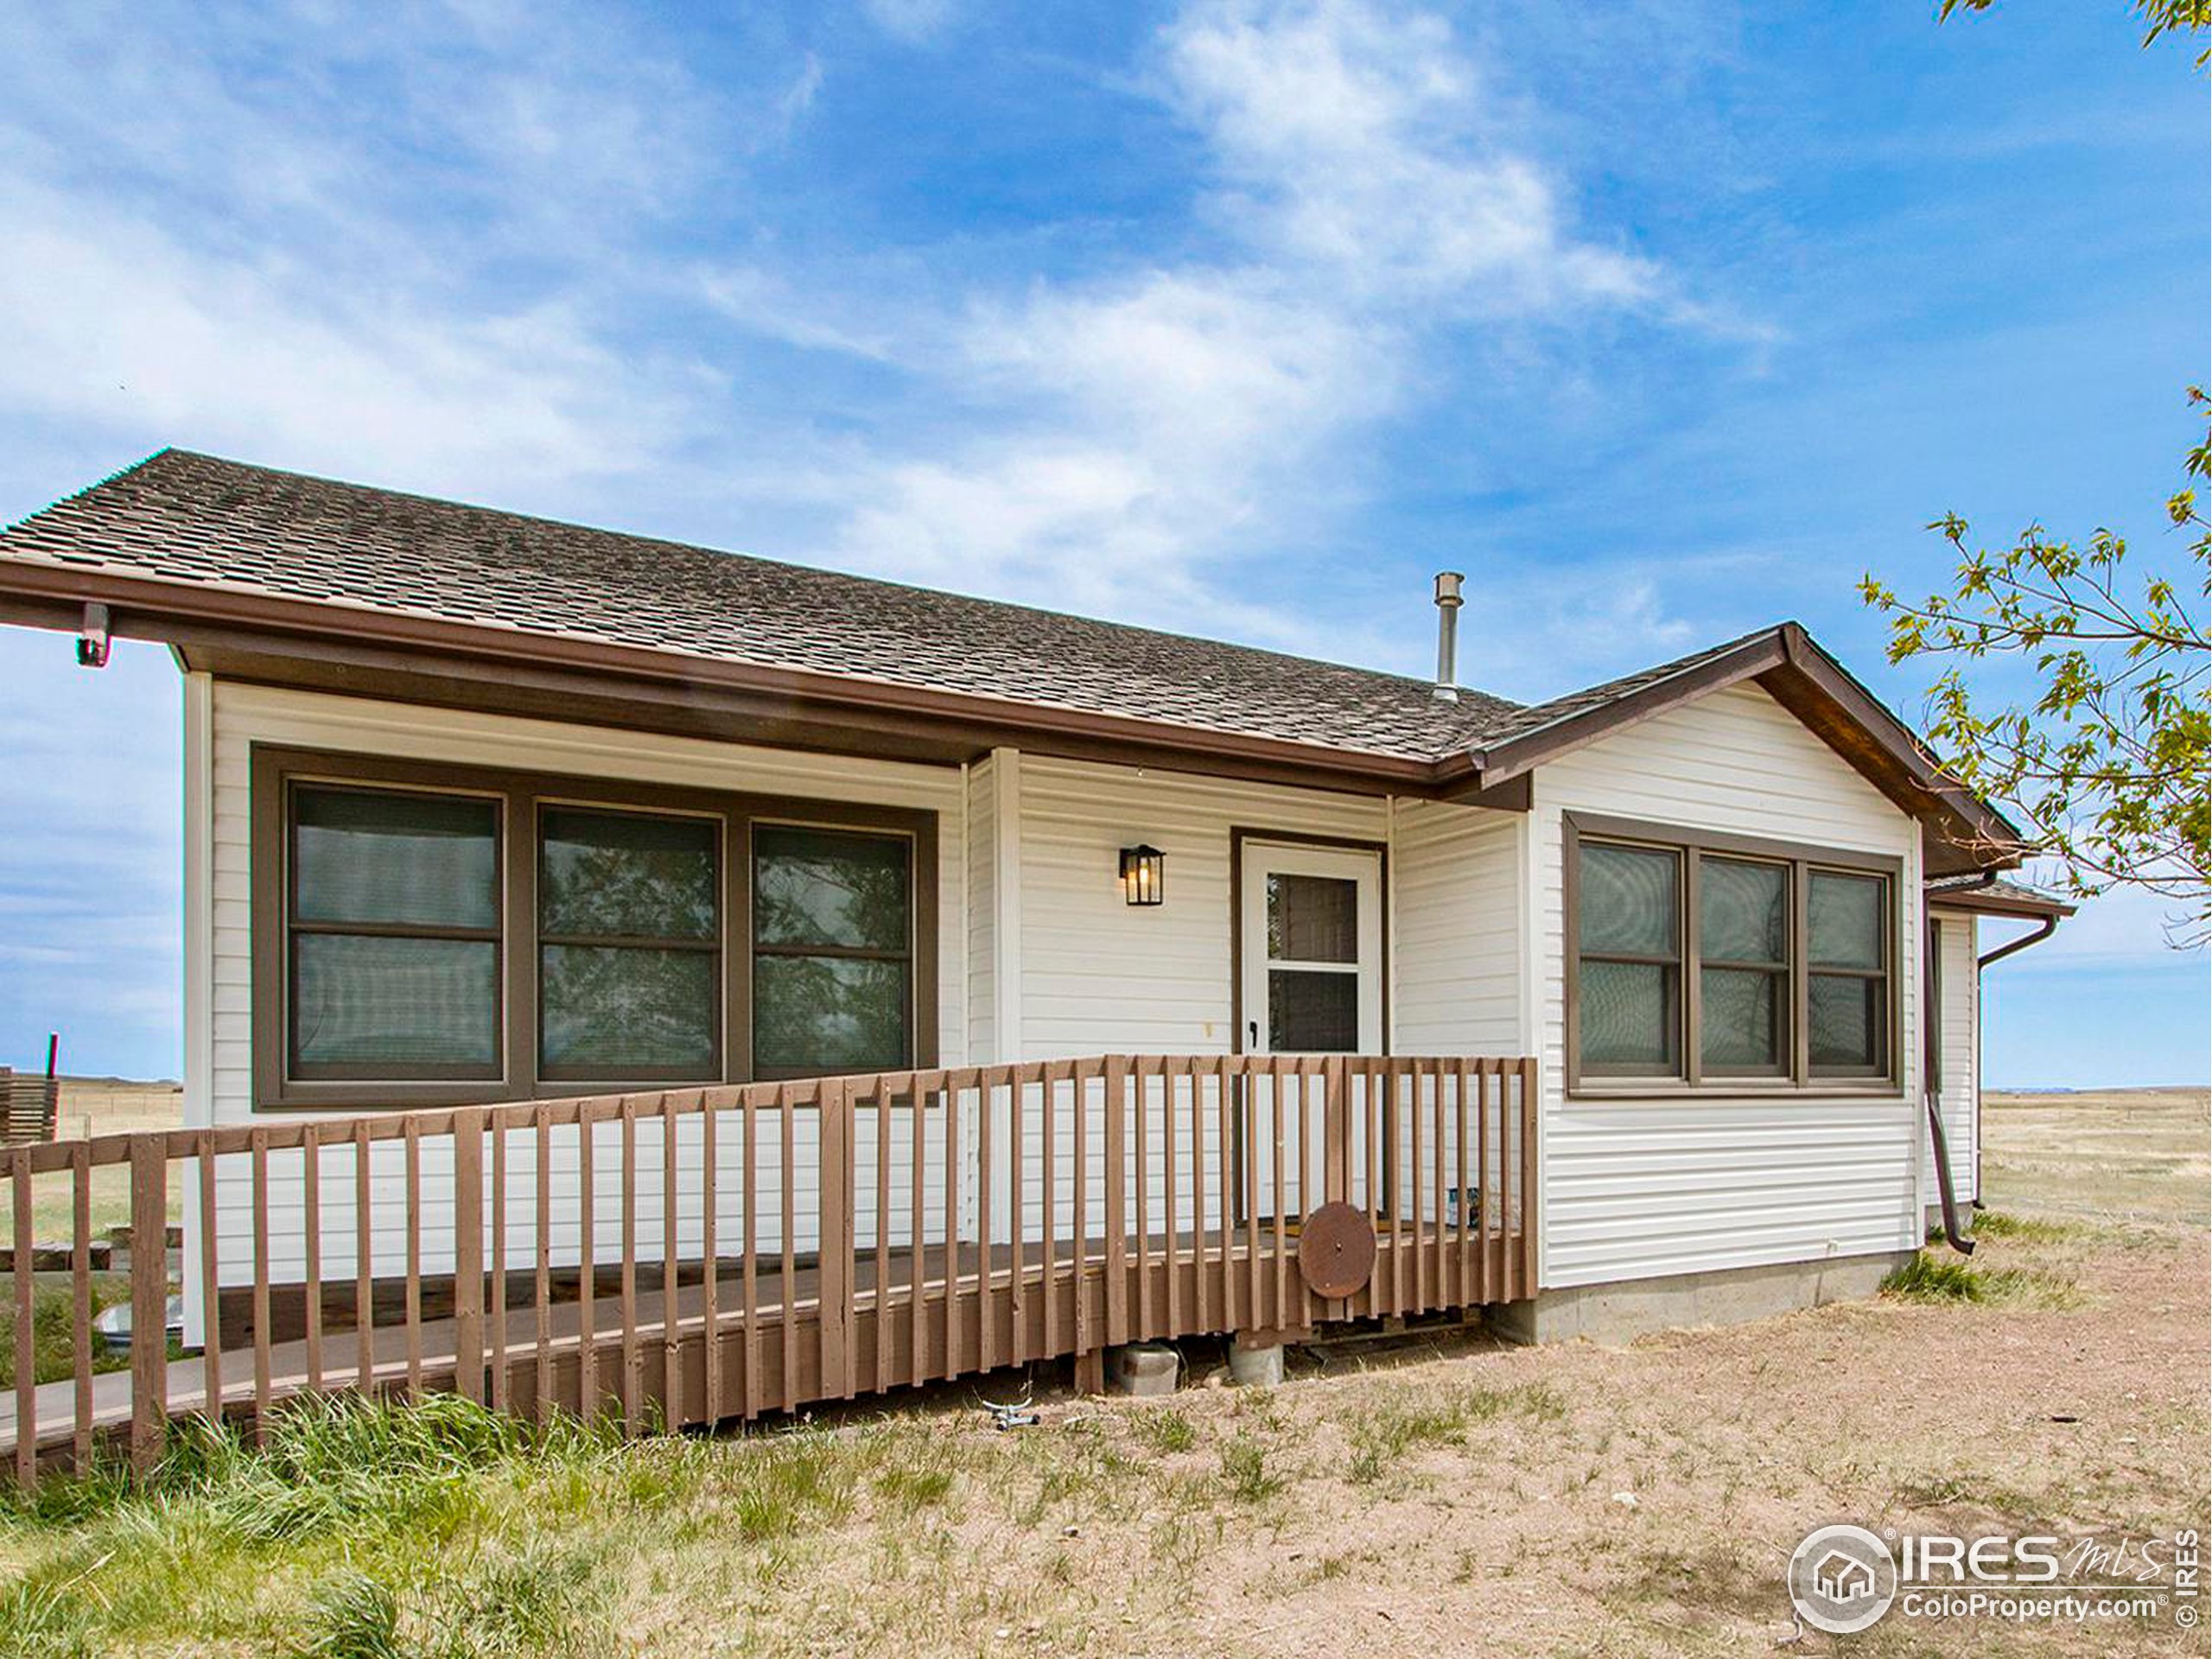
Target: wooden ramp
1140, 1159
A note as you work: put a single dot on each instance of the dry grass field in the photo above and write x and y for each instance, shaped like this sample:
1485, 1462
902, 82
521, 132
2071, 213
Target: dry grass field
93, 1106
1433, 1498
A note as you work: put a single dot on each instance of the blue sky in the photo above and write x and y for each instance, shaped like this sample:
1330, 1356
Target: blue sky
1661, 320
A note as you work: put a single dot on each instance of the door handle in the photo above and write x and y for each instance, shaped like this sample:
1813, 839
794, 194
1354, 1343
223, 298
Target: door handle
1252, 1042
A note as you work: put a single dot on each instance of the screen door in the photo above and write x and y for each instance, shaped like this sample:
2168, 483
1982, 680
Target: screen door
1313, 949
1310, 921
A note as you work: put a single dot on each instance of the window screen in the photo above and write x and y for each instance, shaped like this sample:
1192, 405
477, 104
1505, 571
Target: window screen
1743, 965
1630, 976
1848, 993
1711, 962
1312, 963
393, 935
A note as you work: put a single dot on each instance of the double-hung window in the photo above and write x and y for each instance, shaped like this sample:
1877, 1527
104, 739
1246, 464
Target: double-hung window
428, 933
393, 946
833, 951
1713, 960
629, 944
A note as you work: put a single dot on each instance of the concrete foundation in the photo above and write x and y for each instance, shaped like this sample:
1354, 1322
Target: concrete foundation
1626, 1309
1145, 1369
1257, 1368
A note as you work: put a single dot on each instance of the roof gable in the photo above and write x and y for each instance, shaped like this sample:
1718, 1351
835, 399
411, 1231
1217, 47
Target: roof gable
1965, 832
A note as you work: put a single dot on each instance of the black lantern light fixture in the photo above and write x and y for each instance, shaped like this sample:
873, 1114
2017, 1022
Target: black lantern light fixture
1144, 875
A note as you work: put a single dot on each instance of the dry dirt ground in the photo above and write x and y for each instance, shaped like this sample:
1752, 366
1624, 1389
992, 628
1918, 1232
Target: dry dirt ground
1458, 1497
1580, 1500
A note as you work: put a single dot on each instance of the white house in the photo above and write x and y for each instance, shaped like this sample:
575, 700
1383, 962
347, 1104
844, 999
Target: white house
484, 810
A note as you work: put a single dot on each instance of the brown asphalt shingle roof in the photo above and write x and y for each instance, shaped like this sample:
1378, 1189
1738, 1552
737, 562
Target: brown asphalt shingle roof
182, 516
187, 517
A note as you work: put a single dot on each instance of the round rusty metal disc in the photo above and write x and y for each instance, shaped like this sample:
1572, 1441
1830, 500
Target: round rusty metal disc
1336, 1250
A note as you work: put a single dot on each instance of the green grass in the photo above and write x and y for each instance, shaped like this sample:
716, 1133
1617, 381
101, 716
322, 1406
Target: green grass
2026, 1230
1383, 1437
54, 1350
1935, 1279
1167, 1431
1244, 1469
1943, 1279
346, 1495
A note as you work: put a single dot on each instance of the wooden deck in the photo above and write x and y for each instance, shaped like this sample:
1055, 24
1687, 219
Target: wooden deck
1122, 1153
646, 1372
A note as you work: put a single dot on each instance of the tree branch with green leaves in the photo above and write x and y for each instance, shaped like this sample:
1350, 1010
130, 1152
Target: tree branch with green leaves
2105, 767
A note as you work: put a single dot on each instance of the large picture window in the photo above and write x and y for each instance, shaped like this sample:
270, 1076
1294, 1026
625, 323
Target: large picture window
429, 933
1713, 961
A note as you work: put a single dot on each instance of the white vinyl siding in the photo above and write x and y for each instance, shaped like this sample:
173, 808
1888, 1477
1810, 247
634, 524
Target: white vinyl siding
1099, 974
1455, 888
981, 854
1640, 1187
1961, 1083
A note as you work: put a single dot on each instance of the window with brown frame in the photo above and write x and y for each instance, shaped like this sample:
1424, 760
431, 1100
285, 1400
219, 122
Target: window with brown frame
629, 945
1712, 960
392, 935
428, 933
832, 951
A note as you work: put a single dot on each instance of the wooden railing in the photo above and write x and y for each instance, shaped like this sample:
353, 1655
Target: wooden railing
691, 1255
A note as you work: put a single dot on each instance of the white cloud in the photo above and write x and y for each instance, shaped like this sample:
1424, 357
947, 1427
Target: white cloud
1353, 136
118, 319
912, 20
394, 245
1155, 430
422, 249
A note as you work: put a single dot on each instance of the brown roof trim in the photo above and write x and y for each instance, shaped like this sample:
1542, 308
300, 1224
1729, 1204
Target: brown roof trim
1528, 750
345, 645
176, 613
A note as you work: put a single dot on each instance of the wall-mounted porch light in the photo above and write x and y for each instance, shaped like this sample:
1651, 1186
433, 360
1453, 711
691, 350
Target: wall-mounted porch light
1144, 875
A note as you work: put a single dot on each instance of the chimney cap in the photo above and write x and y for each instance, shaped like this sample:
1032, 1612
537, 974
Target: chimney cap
1447, 587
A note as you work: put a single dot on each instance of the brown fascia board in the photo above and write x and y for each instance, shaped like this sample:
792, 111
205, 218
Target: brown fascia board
362, 652
357, 648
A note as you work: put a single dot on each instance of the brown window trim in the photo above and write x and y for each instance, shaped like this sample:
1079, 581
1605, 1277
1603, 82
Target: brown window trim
274, 769
1690, 1077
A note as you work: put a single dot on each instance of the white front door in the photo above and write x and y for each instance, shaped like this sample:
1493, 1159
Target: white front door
1311, 950
1311, 954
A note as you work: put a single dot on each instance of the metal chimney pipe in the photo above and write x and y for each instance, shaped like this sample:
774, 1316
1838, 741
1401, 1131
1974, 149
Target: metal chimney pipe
1447, 635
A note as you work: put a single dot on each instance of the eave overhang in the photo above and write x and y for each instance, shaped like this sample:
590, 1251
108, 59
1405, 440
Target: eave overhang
357, 650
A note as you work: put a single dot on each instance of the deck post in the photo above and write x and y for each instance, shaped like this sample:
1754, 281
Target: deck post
1531, 1106
834, 1241
469, 1255
149, 1297
1117, 1271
